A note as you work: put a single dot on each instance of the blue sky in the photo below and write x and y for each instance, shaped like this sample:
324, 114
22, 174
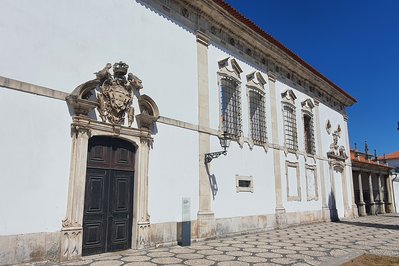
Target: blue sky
353, 43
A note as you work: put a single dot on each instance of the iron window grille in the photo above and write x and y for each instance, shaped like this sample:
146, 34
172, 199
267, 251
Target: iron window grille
290, 130
257, 117
231, 108
309, 134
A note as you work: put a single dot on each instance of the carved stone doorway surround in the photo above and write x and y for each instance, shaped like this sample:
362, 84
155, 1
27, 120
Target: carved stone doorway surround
339, 167
81, 130
112, 97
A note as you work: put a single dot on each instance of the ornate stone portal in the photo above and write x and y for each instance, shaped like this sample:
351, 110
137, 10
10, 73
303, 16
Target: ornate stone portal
337, 157
336, 151
112, 97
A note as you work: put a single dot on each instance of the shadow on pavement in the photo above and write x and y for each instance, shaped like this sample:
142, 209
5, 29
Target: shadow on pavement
382, 226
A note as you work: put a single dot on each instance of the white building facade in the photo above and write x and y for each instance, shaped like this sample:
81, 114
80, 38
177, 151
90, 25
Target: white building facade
111, 161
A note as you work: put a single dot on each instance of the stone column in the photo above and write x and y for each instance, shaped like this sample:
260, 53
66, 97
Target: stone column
362, 208
347, 212
372, 203
281, 217
389, 202
142, 217
354, 206
324, 206
381, 195
71, 232
206, 221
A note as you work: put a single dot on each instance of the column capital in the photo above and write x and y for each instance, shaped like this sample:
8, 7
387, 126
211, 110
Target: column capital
79, 130
202, 38
272, 76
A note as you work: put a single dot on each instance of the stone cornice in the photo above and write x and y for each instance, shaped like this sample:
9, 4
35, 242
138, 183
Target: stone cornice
31, 88
224, 29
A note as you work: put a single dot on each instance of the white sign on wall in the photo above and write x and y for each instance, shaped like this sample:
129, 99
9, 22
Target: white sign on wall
186, 209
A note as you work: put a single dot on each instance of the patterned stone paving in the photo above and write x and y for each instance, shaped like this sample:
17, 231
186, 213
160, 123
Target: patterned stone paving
313, 244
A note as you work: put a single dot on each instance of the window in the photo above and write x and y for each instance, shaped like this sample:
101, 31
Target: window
257, 117
308, 134
231, 107
308, 130
244, 184
291, 138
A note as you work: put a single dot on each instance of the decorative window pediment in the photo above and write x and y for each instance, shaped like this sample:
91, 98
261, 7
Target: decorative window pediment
255, 80
307, 105
230, 99
256, 103
233, 72
288, 96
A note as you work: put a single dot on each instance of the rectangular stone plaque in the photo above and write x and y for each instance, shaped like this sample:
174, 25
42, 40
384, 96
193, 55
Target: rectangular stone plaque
186, 209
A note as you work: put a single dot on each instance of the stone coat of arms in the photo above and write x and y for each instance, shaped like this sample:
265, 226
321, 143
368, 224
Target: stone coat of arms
115, 97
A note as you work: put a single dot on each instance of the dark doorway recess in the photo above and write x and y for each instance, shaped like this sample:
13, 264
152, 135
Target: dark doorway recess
108, 208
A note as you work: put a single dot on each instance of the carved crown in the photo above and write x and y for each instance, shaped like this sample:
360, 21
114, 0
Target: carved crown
120, 69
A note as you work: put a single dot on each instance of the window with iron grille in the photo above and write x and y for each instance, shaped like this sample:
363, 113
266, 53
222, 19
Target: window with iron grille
231, 107
309, 134
257, 117
291, 137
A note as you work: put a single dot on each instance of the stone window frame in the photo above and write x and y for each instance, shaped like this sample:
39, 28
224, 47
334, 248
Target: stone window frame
314, 197
255, 85
239, 188
298, 176
225, 73
307, 111
288, 103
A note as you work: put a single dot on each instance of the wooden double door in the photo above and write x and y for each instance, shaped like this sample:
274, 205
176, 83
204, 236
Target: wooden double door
108, 208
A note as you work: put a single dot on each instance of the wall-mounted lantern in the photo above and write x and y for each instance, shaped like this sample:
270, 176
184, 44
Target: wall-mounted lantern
224, 142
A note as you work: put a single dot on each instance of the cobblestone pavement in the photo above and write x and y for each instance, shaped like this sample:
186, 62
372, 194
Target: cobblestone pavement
313, 244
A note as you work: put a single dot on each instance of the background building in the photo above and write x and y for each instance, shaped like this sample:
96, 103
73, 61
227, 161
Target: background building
392, 160
118, 161
372, 184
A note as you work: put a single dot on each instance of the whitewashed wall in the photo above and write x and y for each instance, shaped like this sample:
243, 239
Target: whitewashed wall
326, 113
396, 194
240, 161
34, 155
303, 204
70, 40
173, 173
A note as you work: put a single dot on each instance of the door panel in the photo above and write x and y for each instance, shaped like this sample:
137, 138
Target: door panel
123, 156
99, 153
95, 211
120, 210
107, 219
